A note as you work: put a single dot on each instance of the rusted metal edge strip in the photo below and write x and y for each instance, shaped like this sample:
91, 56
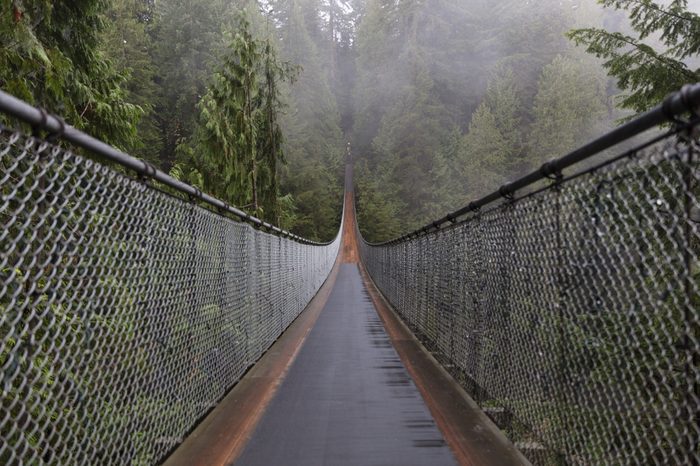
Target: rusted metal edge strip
220, 438
472, 436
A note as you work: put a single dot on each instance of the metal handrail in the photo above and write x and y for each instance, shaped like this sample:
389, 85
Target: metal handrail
687, 100
40, 119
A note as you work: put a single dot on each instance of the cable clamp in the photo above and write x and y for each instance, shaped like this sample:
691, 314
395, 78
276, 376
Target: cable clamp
149, 172
687, 101
54, 136
36, 129
550, 171
506, 192
193, 197
668, 112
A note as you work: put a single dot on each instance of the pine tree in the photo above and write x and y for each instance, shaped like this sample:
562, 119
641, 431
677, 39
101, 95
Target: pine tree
412, 132
127, 42
646, 73
378, 215
376, 85
189, 39
337, 51
311, 124
270, 140
483, 150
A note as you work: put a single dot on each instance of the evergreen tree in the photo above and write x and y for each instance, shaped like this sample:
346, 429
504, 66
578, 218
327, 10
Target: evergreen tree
270, 142
378, 216
375, 88
189, 38
483, 150
238, 142
648, 74
311, 124
127, 42
411, 97
337, 51
51, 57
411, 135
492, 149
528, 37
568, 108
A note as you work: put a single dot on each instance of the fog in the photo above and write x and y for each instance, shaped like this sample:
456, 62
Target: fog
442, 101
420, 70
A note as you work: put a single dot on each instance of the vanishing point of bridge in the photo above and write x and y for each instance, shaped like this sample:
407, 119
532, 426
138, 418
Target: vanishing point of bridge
553, 321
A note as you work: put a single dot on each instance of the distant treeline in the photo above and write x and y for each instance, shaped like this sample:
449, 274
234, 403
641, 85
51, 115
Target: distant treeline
453, 98
254, 101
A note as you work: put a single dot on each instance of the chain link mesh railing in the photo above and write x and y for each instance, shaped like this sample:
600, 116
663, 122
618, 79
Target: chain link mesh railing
572, 314
126, 313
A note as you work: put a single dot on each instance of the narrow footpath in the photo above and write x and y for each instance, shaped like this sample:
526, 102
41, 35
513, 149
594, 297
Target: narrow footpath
347, 398
346, 384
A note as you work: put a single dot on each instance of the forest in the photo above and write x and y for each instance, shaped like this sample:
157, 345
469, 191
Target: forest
258, 102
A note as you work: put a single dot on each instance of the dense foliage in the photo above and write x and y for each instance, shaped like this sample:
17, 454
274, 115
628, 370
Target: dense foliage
51, 57
237, 142
441, 100
648, 70
454, 98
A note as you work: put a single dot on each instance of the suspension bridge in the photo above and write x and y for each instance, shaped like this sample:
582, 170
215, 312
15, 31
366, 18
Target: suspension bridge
553, 321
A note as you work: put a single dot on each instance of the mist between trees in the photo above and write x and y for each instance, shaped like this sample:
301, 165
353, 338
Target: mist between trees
256, 101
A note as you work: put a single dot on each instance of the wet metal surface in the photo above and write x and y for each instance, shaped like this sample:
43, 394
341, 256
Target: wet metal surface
347, 399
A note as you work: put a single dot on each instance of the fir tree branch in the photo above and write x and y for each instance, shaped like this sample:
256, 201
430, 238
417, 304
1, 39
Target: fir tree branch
604, 44
649, 75
618, 4
680, 29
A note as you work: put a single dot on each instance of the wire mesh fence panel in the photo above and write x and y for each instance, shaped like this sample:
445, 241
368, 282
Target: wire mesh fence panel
574, 309
126, 313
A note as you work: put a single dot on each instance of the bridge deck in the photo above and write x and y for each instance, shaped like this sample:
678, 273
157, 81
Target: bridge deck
335, 389
347, 399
